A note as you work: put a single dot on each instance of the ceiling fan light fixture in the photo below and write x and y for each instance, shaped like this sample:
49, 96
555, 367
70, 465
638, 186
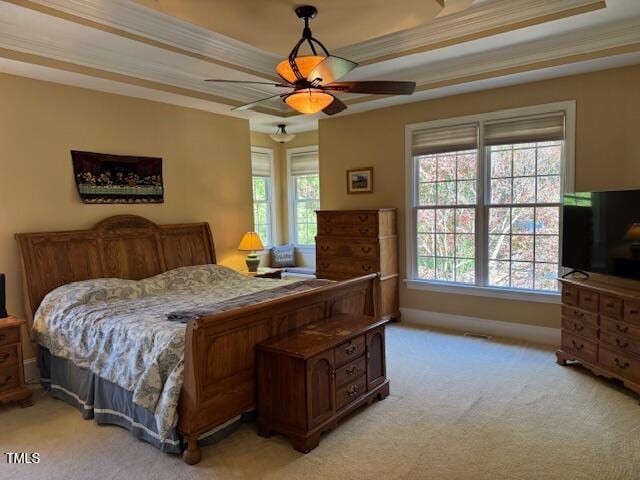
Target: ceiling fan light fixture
309, 101
305, 64
281, 136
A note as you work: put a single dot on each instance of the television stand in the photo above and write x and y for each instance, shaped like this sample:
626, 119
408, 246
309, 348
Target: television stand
601, 327
575, 270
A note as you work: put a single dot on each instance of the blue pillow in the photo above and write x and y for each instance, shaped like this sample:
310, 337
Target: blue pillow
283, 256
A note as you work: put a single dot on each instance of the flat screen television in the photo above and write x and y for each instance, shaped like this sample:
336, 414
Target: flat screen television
601, 232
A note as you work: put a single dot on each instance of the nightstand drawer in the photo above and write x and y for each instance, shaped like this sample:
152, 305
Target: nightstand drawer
581, 328
580, 315
9, 378
620, 343
580, 346
622, 365
631, 312
349, 351
588, 300
611, 306
569, 295
9, 336
8, 356
350, 392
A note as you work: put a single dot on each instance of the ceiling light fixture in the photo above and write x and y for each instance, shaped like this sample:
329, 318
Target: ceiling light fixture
281, 136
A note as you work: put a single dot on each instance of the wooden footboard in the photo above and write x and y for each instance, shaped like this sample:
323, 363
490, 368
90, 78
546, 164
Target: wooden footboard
219, 381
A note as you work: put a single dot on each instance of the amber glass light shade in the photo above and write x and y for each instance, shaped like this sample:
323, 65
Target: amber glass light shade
305, 65
634, 233
309, 101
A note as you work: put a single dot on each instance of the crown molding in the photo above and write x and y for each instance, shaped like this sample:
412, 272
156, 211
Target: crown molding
489, 18
162, 30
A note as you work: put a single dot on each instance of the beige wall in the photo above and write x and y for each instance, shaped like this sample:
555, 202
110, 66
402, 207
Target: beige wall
607, 157
205, 159
281, 184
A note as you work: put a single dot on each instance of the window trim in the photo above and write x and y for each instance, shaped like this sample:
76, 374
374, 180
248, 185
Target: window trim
291, 197
411, 281
273, 210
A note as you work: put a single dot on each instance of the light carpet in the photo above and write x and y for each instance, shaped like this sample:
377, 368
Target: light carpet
460, 408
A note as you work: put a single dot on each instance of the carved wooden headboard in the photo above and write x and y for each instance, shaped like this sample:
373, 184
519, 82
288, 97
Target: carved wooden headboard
124, 246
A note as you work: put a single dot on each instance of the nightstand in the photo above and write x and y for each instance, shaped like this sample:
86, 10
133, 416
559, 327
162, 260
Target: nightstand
265, 272
12, 384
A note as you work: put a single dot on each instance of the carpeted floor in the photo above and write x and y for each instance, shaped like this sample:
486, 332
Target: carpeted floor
461, 408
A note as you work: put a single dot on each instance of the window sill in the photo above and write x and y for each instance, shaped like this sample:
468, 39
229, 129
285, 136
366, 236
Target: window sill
305, 248
490, 292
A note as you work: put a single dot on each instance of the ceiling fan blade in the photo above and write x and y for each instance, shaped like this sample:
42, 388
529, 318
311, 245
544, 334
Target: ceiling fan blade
253, 104
373, 87
330, 69
248, 82
334, 107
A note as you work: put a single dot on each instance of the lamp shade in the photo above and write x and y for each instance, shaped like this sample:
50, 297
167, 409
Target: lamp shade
250, 242
633, 233
309, 101
305, 64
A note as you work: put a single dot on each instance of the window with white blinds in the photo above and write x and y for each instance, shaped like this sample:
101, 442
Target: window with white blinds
304, 194
486, 195
262, 186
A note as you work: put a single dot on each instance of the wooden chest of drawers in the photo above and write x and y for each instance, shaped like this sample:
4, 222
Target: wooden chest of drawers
601, 327
310, 378
351, 243
12, 385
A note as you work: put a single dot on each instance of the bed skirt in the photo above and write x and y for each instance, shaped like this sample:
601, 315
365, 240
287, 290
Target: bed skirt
110, 404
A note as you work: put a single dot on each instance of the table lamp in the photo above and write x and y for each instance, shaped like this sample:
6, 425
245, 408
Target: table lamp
633, 234
250, 243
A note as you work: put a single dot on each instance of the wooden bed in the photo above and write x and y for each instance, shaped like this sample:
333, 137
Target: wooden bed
219, 381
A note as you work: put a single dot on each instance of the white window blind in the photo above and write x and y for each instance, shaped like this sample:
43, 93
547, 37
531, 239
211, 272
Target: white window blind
546, 128
446, 139
260, 164
304, 163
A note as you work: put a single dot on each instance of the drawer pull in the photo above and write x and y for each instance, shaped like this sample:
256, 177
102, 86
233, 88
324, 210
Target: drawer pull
324, 247
620, 344
4, 357
328, 229
619, 364
567, 294
622, 329
6, 381
578, 327
363, 218
351, 370
350, 350
324, 264
363, 231
366, 268
578, 314
328, 218
634, 312
576, 346
353, 389
366, 249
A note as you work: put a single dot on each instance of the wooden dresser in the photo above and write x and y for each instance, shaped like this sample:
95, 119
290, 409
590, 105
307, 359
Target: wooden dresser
351, 243
12, 384
311, 377
601, 327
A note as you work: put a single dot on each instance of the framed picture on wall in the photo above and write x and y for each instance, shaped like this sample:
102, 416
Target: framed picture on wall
360, 180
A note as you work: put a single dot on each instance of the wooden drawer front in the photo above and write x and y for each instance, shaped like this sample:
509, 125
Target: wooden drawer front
611, 306
347, 230
569, 295
581, 347
9, 336
350, 371
581, 328
588, 300
8, 378
620, 343
8, 356
350, 392
619, 327
577, 314
343, 248
623, 365
349, 351
353, 218
631, 312
356, 266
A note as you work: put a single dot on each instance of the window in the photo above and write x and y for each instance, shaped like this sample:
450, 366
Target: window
304, 194
486, 195
262, 181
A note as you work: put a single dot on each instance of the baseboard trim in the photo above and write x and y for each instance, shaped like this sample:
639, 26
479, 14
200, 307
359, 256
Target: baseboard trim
519, 331
31, 371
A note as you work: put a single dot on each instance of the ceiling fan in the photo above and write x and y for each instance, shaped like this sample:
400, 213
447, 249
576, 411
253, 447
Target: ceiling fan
313, 77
